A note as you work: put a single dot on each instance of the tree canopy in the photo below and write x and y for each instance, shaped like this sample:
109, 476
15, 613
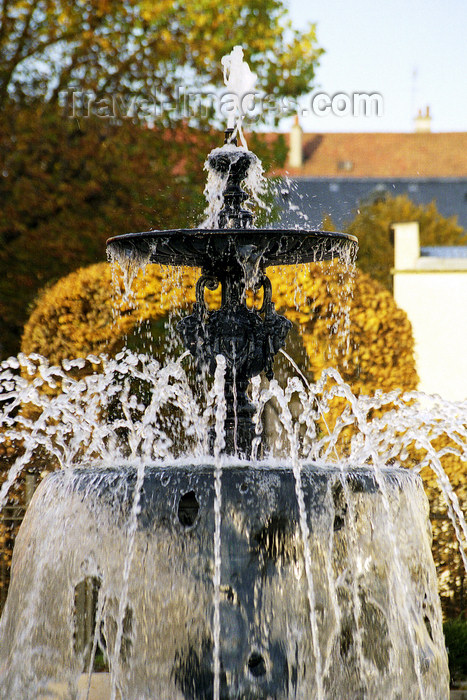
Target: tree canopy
68, 183
68, 187
139, 46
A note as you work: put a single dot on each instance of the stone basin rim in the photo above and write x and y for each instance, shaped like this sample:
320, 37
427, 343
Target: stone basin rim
112, 488
207, 468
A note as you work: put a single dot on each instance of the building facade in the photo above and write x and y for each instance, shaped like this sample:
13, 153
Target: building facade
430, 285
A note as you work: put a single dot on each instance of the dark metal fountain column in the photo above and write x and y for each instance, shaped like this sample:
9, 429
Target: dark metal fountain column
235, 255
247, 338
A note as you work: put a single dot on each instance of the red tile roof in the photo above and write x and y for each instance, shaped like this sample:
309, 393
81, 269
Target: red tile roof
383, 155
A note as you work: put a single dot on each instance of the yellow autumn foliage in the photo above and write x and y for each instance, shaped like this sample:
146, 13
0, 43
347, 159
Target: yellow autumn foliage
346, 320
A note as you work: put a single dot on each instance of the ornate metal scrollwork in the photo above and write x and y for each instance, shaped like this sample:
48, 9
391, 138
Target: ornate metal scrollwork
247, 338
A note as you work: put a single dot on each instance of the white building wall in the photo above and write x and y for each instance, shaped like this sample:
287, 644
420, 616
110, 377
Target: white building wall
433, 293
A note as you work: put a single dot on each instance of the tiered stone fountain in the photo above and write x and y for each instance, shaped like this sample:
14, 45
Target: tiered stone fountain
229, 579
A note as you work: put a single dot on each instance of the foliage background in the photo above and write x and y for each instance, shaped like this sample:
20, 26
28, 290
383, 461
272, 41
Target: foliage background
347, 320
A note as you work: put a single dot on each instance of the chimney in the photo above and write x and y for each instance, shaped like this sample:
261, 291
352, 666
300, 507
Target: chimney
406, 245
423, 122
296, 145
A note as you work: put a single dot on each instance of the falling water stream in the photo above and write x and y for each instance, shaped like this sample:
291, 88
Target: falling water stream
286, 420
219, 445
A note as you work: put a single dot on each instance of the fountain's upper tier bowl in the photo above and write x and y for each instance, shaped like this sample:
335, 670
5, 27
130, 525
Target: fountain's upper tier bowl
212, 248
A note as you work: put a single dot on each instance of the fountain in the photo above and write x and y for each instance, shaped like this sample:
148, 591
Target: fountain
229, 574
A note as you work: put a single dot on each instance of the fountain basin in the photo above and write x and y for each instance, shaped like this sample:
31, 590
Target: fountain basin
210, 249
373, 586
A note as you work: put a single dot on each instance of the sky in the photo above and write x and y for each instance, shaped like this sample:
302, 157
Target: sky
412, 52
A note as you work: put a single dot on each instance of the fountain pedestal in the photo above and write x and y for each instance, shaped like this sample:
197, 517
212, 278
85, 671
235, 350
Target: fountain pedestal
374, 600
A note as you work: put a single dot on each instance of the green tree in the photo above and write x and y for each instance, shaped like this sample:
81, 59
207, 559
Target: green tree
138, 46
372, 226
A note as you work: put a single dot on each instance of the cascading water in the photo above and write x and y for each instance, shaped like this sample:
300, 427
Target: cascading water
305, 572
375, 609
